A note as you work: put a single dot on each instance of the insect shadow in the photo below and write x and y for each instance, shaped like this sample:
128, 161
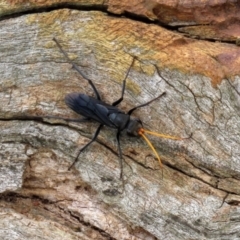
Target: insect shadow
93, 108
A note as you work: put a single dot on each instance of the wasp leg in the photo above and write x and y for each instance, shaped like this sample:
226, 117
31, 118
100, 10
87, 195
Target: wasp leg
78, 69
123, 85
120, 154
145, 104
92, 140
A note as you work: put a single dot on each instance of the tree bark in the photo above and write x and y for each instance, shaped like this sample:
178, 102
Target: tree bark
194, 196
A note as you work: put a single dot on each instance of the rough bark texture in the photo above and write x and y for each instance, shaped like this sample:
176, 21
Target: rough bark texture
195, 196
206, 19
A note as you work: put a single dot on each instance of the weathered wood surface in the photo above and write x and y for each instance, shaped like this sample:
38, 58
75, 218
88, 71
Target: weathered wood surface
204, 19
197, 194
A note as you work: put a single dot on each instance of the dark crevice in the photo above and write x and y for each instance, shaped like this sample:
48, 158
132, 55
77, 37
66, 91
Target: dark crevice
42, 119
189, 175
96, 7
227, 191
104, 8
53, 7
80, 219
9, 196
233, 203
186, 35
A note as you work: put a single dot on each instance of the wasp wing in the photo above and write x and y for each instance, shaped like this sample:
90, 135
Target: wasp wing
91, 108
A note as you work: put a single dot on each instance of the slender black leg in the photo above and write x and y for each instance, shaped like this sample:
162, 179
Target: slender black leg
123, 85
78, 69
93, 139
120, 154
145, 104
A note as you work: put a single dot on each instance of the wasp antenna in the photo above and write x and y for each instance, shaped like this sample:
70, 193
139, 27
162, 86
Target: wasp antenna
162, 135
151, 146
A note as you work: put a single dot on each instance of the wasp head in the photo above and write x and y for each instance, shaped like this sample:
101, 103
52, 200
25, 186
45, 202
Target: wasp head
134, 127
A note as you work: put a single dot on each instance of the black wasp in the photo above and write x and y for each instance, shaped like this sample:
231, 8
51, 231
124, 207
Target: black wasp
95, 109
